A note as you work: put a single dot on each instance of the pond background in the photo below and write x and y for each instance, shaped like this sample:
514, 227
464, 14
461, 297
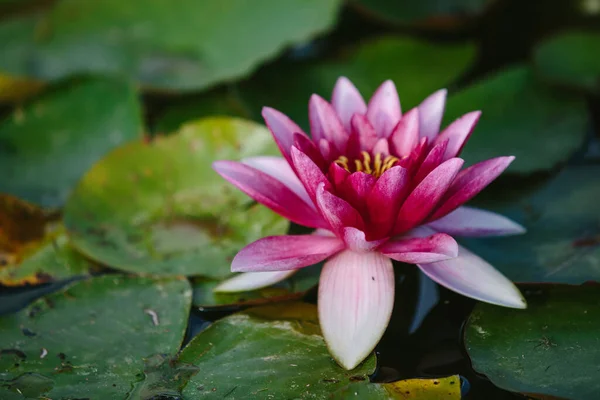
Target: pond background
77, 81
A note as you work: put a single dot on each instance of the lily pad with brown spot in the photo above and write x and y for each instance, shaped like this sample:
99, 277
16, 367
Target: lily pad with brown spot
159, 208
447, 388
268, 352
34, 248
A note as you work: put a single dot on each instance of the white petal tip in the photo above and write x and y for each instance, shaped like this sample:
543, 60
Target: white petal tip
252, 281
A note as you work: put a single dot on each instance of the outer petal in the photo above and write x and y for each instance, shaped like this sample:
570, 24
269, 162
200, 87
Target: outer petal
252, 281
280, 169
308, 147
431, 111
469, 221
356, 297
284, 253
282, 128
419, 250
347, 101
337, 212
384, 109
270, 192
385, 199
423, 199
471, 276
405, 136
309, 173
325, 123
457, 133
470, 182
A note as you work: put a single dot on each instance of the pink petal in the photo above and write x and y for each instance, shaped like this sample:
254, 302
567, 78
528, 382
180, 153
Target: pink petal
385, 199
383, 110
457, 133
356, 240
356, 188
469, 221
382, 147
423, 199
308, 147
433, 159
437, 247
309, 173
366, 132
471, 276
356, 297
431, 111
325, 123
326, 151
284, 253
347, 101
247, 281
282, 128
280, 169
416, 157
470, 182
405, 136
337, 175
270, 192
337, 212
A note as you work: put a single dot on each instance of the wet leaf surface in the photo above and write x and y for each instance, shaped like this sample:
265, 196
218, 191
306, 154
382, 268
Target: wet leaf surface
159, 207
292, 288
267, 352
90, 339
549, 349
562, 242
571, 59
161, 46
541, 126
46, 146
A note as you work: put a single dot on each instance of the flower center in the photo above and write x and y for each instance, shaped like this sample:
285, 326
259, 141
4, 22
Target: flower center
365, 163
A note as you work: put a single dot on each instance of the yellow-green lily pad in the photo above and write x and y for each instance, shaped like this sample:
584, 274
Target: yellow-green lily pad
158, 207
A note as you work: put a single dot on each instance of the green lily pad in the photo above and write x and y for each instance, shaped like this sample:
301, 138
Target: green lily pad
562, 242
549, 349
191, 46
48, 145
422, 389
414, 65
293, 288
158, 207
267, 352
448, 12
571, 59
541, 126
90, 339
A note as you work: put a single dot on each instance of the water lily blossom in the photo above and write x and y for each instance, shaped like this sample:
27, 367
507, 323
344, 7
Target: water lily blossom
377, 185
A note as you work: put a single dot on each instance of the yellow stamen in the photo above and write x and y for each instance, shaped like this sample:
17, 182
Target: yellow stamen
363, 164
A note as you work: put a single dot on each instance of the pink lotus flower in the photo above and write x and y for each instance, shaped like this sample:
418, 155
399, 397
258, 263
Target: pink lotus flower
376, 185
